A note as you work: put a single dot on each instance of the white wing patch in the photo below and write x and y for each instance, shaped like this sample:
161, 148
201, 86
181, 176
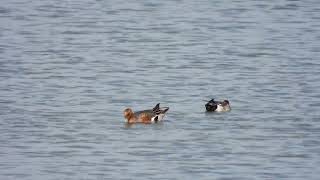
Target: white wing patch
157, 118
219, 108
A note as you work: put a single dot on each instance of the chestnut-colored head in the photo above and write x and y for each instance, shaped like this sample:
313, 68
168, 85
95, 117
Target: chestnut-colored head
128, 113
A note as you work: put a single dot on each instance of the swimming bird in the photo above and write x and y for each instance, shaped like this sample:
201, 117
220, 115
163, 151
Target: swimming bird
218, 106
146, 116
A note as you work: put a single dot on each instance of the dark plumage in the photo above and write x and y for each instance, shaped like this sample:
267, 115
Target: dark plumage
219, 106
211, 105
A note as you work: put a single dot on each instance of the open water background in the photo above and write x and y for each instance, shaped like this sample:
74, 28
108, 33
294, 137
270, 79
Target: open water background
69, 68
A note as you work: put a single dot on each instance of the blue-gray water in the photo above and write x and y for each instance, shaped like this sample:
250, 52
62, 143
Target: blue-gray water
69, 68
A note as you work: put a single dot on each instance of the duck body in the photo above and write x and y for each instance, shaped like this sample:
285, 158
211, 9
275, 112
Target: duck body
218, 106
146, 116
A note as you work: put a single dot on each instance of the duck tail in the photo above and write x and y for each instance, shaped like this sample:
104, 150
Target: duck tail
165, 109
157, 107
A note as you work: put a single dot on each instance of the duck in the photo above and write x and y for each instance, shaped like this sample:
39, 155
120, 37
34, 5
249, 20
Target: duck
147, 116
218, 106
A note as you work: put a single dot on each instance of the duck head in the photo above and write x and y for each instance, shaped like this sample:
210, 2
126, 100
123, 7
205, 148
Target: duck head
225, 103
224, 106
128, 113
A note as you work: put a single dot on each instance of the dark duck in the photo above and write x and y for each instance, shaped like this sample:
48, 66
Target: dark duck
218, 106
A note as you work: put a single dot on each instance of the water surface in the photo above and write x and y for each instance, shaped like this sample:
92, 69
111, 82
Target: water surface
69, 68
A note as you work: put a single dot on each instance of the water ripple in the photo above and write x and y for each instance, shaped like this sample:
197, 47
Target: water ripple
69, 68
